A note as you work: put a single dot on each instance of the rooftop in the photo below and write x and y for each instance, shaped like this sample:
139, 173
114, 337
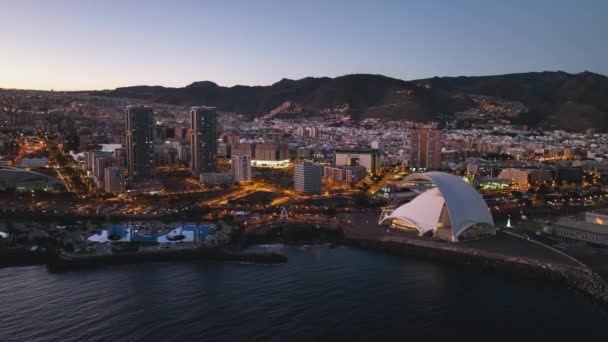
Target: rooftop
600, 211
582, 226
355, 150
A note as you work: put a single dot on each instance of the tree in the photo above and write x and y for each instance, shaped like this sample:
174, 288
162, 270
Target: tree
331, 210
12, 231
361, 200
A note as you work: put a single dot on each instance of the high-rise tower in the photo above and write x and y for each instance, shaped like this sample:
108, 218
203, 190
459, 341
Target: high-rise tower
203, 139
139, 122
241, 168
425, 148
307, 178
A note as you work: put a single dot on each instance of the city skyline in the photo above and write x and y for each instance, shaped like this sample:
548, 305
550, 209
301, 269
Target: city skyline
104, 45
253, 170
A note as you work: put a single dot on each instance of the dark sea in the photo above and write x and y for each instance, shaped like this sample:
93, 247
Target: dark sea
321, 293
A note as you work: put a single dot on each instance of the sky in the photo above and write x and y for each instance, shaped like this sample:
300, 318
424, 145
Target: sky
89, 44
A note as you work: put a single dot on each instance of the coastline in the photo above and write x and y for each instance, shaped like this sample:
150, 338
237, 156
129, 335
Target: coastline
580, 279
16, 257
64, 261
359, 235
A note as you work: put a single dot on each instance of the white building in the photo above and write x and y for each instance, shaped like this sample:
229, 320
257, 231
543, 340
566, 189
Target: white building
344, 174
241, 168
367, 158
307, 177
579, 230
519, 177
451, 211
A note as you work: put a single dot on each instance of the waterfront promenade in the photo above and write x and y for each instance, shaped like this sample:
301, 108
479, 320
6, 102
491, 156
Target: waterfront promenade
364, 226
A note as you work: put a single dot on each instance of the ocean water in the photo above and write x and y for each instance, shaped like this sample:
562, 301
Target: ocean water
321, 293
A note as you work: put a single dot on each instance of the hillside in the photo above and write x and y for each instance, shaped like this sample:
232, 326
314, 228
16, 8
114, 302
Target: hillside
552, 99
571, 101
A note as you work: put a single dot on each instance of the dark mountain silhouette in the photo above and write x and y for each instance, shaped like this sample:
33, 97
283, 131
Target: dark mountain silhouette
558, 99
570, 101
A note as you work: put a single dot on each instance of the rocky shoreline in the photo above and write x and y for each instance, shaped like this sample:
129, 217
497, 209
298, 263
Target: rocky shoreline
69, 261
65, 261
21, 257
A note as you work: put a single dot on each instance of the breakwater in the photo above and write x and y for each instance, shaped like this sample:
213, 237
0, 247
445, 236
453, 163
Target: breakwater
22, 257
63, 261
584, 280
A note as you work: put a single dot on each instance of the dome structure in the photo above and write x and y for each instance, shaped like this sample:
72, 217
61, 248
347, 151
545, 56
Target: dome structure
452, 210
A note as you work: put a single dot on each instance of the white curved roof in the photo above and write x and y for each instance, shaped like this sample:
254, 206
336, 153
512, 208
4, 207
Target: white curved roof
464, 204
423, 211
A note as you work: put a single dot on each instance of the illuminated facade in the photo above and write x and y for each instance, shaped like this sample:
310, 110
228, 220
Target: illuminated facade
597, 217
451, 211
523, 178
344, 174
367, 158
266, 154
519, 177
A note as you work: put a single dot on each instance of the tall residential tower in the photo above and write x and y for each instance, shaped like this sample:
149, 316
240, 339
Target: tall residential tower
203, 139
425, 148
241, 168
139, 122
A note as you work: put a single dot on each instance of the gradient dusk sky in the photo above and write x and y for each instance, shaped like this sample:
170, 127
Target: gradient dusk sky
87, 44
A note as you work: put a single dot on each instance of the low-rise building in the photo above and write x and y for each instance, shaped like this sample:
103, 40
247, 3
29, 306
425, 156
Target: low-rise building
344, 174
367, 158
518, 177
216, 178
579, 230
597, 217
148, 187
34, 162
24, 180
569, 174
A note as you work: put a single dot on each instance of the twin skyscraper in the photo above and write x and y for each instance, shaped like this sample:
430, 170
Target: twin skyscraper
139, 139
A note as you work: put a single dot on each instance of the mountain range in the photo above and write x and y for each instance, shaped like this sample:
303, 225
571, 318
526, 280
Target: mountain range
544, 99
